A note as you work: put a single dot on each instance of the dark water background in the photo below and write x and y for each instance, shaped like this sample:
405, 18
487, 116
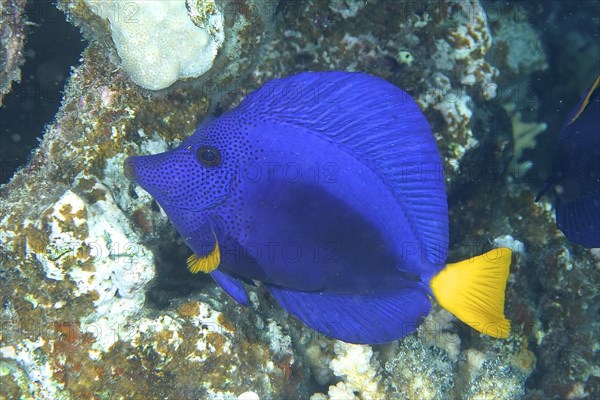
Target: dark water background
52, 47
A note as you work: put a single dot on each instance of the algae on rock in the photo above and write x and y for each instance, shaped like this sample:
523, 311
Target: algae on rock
79, 244
76, 265
12, 40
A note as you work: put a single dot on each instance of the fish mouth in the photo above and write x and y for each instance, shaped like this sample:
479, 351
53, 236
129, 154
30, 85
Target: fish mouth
218, 201
132, 171
214, 204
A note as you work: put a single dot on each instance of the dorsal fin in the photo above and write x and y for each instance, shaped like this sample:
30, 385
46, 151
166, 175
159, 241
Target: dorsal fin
585, 101
379, 124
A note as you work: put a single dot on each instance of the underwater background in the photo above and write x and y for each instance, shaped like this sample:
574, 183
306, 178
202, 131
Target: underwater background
96, 300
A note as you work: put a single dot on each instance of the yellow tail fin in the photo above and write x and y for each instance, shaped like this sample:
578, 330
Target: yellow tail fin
473, 290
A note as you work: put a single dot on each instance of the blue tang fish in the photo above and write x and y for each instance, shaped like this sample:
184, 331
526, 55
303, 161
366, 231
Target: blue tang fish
576, 172
328, 188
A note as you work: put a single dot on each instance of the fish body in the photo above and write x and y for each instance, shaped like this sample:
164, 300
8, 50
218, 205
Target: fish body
331, 186
576, 172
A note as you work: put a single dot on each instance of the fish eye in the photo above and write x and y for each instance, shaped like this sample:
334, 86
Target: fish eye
209, 156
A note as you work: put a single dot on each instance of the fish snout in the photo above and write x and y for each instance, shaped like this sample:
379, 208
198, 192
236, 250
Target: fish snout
151, 173
129, 168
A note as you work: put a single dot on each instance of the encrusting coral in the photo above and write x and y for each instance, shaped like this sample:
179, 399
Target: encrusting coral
157, 51
93, 304
12, 40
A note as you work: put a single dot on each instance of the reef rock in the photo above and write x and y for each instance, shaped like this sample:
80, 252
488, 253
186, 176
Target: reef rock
96, 300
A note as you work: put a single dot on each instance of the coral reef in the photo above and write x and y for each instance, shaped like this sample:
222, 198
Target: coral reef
156, 51
74, 272
197, 44
419, 372
490, 379
12, 39
428, 366
524, 135
96, 300
359, 37
518, 52
346, 8
359, 370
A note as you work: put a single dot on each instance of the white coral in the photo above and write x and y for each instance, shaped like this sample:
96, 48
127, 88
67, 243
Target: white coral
157, 40
93, 245
359, 368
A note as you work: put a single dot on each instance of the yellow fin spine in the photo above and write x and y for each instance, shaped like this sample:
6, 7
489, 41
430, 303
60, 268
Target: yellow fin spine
586, 101
205, 264
473, 290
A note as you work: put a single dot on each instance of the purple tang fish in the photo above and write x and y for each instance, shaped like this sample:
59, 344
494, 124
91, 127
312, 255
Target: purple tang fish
328, 188
576, 172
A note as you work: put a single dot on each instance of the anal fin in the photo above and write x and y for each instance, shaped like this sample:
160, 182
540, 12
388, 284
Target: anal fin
361, 319
232, 286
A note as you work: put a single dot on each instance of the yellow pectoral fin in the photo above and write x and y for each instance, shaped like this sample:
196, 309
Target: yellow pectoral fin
473, 290
206, 264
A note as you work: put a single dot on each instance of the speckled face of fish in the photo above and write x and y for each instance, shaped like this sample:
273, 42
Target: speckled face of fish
324, 181
165, 175
188, 202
